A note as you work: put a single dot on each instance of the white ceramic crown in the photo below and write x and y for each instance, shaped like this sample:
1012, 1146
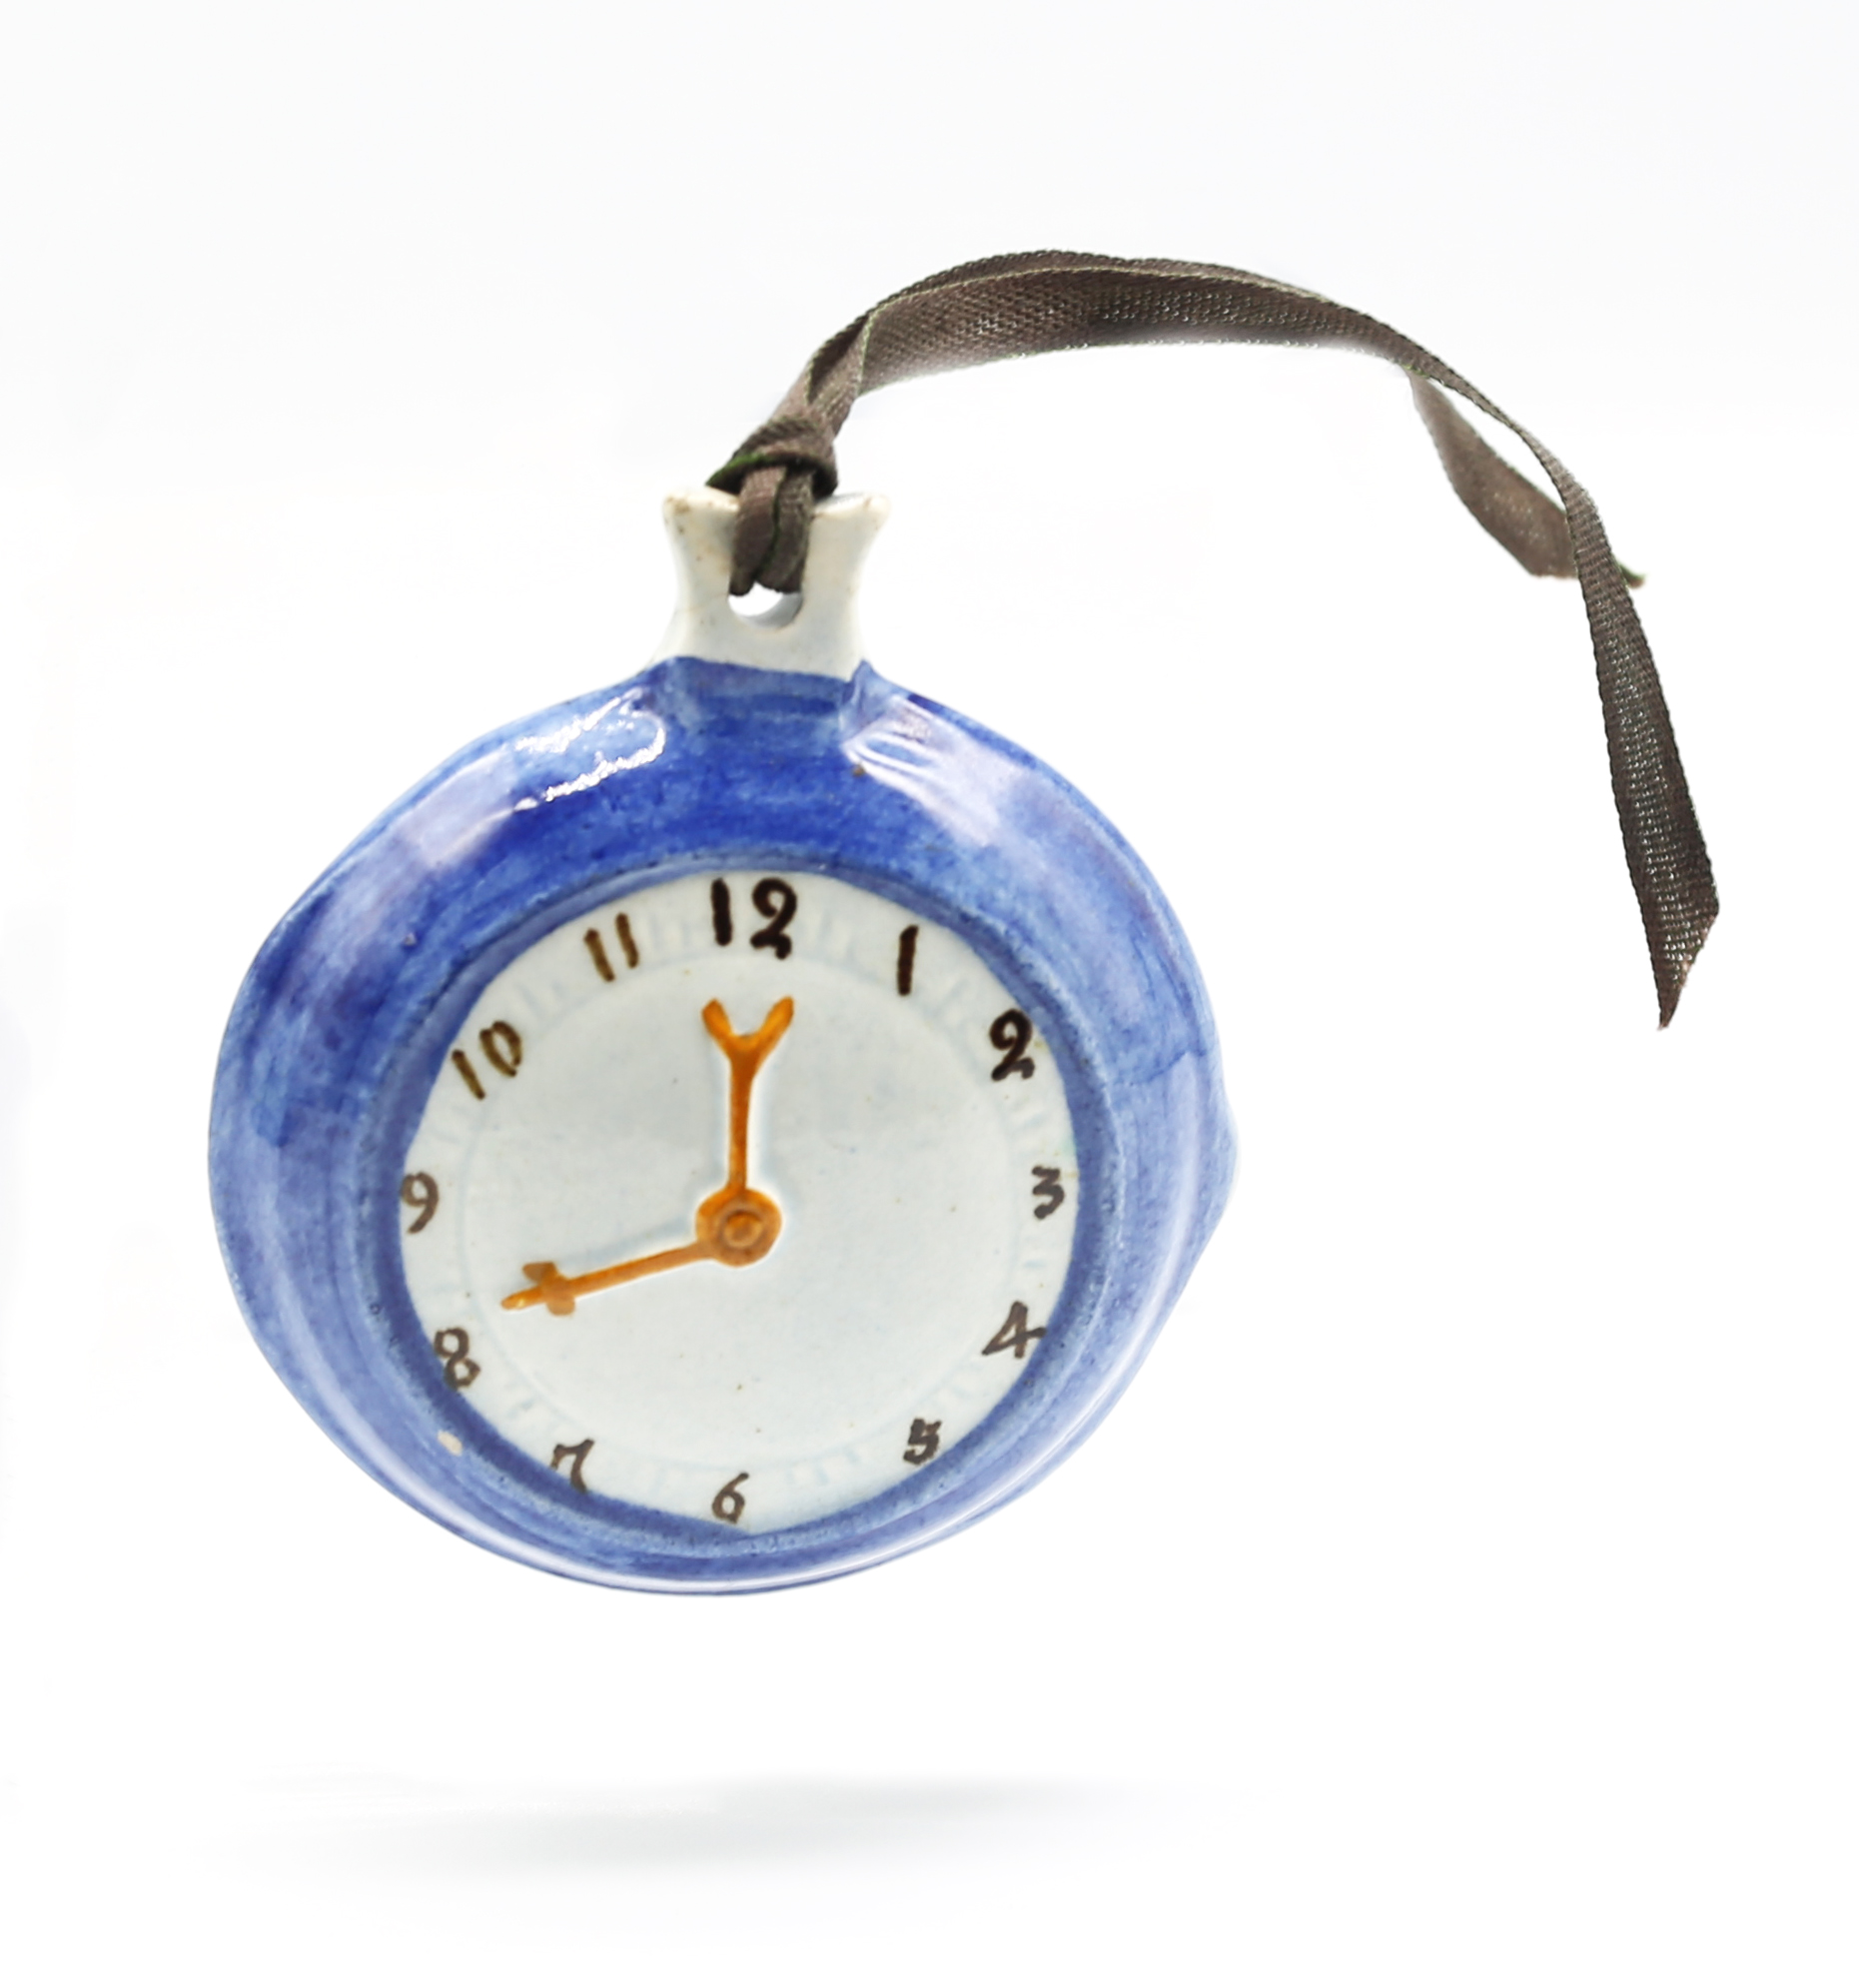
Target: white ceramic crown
814, 632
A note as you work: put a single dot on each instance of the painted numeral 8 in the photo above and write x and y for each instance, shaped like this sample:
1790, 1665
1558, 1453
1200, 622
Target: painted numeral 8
454, 1347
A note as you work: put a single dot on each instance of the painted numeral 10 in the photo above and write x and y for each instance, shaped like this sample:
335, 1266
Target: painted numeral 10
502, 1048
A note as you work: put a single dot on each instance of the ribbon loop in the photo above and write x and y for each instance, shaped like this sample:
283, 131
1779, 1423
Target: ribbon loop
778, 474
1051, 301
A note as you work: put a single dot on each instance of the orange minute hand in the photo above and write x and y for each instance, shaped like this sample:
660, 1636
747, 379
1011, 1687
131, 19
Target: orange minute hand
746, 1054
735, 1225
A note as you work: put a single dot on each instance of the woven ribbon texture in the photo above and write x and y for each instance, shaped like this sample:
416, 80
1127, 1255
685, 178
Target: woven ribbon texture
1010, 307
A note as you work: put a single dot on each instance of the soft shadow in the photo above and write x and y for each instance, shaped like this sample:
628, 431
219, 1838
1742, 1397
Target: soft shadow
407, 1832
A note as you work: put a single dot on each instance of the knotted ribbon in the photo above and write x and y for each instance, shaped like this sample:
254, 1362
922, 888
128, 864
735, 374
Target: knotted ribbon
1008, 307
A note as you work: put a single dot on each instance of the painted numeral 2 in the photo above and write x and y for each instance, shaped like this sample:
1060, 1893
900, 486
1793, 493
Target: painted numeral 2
1010, 1033
777, 900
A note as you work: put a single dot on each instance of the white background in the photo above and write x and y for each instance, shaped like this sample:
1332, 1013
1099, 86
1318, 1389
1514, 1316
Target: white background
1465, 1592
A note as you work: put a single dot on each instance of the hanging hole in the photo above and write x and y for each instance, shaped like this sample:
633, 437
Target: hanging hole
764, 608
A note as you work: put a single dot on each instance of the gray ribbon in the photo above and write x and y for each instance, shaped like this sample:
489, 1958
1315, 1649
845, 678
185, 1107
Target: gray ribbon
1013, 306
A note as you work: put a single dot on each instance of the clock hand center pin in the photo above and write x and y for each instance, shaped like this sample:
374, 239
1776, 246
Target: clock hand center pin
738, 1225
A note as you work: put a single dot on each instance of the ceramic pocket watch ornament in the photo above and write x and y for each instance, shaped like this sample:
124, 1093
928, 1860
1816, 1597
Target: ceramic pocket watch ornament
748, 1121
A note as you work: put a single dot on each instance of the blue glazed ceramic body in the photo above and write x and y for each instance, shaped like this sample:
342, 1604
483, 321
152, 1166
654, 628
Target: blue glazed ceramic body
345, 1020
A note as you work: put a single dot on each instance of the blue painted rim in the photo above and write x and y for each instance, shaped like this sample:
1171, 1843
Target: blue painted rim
353, 1003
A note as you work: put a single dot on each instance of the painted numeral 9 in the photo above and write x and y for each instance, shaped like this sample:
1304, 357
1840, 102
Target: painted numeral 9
420, 1192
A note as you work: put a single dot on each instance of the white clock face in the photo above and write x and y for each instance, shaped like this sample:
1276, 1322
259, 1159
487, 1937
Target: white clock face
741, 1199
